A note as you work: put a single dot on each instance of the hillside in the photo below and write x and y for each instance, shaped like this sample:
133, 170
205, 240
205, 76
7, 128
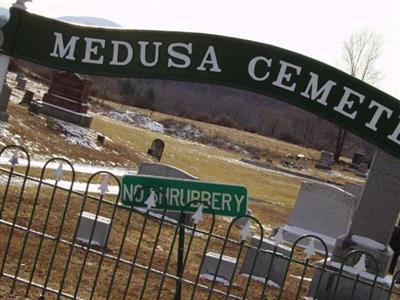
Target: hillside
219, 105
207, 151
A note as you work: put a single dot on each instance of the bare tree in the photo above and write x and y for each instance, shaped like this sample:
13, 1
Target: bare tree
360, 54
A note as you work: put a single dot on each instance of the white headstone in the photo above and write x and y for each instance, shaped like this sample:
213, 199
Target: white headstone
226, 268
320, 209
262, 265
102, 226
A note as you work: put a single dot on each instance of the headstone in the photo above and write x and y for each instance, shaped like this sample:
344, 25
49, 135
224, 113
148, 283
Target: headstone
172, 172
320, 209
326, 161
67, 99
21, 83
357, 159
372, 225
262, 266
225, 271
156, 149
101, 138
4, 99
28, 97
362, 170
19, 77
101, 228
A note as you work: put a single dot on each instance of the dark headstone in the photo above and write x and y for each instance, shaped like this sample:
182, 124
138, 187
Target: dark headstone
21, 83
67, 99
28, 97
358, 158
101, 138
156, 149
326, 161
19, 77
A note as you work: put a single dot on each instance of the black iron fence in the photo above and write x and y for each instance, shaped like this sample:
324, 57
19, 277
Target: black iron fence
49, 247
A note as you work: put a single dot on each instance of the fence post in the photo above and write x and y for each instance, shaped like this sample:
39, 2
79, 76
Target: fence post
181, 248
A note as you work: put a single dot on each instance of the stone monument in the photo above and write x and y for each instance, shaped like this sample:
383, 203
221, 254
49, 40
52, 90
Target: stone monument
67, 99
322, 210
371, 231
326, 161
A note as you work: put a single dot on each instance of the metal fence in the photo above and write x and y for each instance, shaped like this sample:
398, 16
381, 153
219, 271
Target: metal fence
149, 255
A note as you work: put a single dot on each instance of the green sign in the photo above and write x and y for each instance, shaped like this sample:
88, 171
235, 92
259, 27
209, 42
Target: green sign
264, 69
178, 194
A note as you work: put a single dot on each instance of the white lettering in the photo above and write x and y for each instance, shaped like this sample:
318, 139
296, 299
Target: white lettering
92, 50
395, 136
284, 77
180, 56
315, 92
226, 200
138, 193
377, 115
206, 197
252, 68
344, 102
128, 193
194, 197
143, 47
238, 202
215, 201
174, 196
116, 47
61, 51
210, 58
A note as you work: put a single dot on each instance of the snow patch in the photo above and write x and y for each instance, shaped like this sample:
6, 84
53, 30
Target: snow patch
78, 135
134, 118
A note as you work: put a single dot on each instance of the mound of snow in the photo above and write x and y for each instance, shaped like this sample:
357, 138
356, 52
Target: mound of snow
136, 119
77, 135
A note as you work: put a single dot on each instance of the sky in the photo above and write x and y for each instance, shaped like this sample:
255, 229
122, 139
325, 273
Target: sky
315, 28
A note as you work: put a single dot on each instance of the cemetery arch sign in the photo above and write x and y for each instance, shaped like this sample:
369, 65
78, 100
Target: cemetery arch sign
260, 68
